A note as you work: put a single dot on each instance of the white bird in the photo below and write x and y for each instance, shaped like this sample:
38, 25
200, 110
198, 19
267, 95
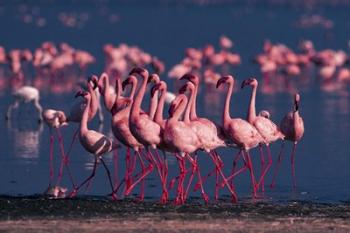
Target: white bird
25, 94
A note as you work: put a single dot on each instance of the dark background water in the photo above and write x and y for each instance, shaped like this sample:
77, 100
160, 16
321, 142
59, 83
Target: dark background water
165, 29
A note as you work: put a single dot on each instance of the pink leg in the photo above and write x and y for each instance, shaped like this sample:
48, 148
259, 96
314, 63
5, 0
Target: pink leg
272, 185
266, 169
71, 145
215, 157
292, 159
165, 195
234, 164
262, 166
250, 167
115, 167
143, 170
159, 170
196, 168
180, 189
127, 169
51, 159
76, 189
114, 197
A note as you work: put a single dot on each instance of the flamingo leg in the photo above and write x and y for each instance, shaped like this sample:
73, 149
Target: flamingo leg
115, 167
292, 159
261, 180
165, 195
127, 169
76, 189
215, 157
234, 164
196, 168
114, 197
51, 159
75, 136
180, 189
262, 166
246, 156
143, 170
278, 165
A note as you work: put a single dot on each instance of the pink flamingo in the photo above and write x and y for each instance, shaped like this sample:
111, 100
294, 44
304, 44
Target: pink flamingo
292, 126
121, 130
241, 132
94, 142
266, 128
142, 126
207, 134
180, 137
54, 120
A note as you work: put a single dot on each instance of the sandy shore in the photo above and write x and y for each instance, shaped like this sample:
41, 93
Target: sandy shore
39, 214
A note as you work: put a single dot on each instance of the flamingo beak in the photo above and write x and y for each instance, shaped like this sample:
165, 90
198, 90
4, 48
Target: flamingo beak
137, 70
171, 109
79, 93
154, 89
247, 82
187, 76
183, 89
125, 83
221, 81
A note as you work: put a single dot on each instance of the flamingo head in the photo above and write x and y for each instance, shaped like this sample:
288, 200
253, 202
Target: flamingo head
81, 93
159, 86
184, 88
153, 78
264, 113
191, 77
130, 80
224, 79
250, 82
94, 81
140, 71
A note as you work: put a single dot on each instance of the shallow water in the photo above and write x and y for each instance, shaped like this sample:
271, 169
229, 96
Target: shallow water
166, 30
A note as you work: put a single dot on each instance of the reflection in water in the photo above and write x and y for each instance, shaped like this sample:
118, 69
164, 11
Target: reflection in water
26, 143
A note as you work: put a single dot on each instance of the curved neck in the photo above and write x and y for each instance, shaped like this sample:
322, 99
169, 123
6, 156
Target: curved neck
189, 106
153, 105
108, 100
136, 106
193, 113
93, 104
84, 120
251, 110
118, 87
158, 118
226, 115
179, 110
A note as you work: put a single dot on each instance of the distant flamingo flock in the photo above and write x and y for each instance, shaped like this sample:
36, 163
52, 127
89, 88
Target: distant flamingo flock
150, 138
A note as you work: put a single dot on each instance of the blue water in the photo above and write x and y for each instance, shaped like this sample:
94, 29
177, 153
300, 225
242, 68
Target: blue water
165, 30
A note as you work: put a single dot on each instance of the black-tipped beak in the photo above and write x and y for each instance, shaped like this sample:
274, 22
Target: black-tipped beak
187, 76
137, 70
221, 81
296, 105
94, 80
171, 109
183, 89
154, 89
245, 83
79, 93
125, 83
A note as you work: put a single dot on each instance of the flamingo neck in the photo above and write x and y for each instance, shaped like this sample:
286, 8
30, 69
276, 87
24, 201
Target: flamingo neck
179, 110
118, 87
226, 116
136, 106
108, 101
251, 110
193, 113
93, 104
84, 120
189, 106
153, 105
158, 118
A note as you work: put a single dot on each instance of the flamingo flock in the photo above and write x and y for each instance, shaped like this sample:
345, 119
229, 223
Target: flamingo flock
150, 138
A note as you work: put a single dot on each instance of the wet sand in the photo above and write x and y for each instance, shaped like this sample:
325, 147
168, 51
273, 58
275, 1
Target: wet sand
90, 214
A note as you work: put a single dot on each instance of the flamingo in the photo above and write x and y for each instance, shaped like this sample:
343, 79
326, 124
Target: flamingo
180, 137
266, 128
94, 142
142, 126
207, 134
121, 130
26, 94
240, 131
54, 120
292, 126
